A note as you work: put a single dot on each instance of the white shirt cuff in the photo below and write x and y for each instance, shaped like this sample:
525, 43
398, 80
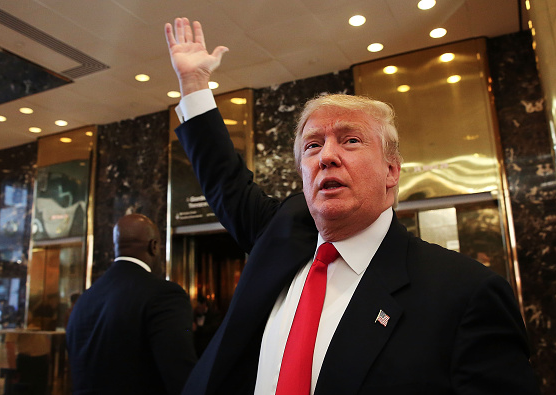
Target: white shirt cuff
194, 104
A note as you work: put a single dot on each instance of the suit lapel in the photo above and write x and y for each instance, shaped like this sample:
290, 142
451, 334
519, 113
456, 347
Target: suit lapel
359, 338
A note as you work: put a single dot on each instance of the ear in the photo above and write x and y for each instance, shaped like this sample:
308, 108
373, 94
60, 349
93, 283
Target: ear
393, 176
154, 247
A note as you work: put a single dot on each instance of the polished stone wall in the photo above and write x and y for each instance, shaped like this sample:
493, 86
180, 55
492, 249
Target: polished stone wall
132, 177
529, 166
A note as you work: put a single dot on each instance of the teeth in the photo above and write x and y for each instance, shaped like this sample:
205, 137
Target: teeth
332, 185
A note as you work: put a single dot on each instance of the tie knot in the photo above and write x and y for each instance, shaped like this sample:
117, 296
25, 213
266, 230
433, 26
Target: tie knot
327, 253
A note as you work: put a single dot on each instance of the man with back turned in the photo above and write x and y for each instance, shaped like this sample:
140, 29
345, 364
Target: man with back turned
378, 311
130, 333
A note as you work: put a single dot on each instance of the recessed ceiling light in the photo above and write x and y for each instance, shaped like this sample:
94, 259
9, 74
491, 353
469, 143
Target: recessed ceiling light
173, 94
403, 88
375, 47
453, 79
89, 133
61, 122
527, 5
26, 110
447, 57
3, 118
213, 85
65, 140
35, 130
238, 100
426, 4
142, 77
357, 20
390, 70
230, 122
437, 33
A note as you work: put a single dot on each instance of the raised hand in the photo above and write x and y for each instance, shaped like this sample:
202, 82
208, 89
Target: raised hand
191, 61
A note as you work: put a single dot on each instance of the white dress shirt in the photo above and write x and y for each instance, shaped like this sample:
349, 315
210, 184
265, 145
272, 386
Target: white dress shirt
134, 260
343, 276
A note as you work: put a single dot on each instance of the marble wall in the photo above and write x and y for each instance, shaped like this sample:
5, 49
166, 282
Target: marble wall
530, 172
132, 177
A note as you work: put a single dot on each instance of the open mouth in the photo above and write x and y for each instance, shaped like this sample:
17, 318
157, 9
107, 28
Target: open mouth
329, 185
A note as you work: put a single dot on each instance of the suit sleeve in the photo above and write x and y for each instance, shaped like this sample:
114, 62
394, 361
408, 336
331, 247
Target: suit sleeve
240, 205
491, 354
169, 329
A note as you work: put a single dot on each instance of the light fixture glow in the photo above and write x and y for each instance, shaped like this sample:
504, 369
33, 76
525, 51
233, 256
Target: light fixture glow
375, 47
438, 32
230, 122
26, 110
89, 133
61, 122
65, 140
527, 5
213, 85
403, 88
3, 118
238, 100
357, 20
426, 4
453, 79
142, 77
390, 70
173, 94
35, 130
447, 57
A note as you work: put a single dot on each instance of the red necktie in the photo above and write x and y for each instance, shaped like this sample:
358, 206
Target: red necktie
297, 362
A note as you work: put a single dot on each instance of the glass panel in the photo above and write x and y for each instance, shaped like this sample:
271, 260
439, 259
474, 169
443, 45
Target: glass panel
208, 266
443, 115
188, 205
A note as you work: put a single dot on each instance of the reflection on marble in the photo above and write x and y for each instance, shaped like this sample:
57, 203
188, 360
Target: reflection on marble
20, 78
132, 177
17, 177
529, 166
275, 114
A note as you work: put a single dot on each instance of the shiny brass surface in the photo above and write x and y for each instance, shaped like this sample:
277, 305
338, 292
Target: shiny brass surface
62, 235
446, 129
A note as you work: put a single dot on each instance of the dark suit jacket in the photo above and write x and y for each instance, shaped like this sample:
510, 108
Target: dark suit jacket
455, 327
130, 333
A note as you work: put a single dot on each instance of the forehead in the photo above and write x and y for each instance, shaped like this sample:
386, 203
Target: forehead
338, 119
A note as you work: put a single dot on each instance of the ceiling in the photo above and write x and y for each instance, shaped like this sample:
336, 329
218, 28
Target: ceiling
101, 45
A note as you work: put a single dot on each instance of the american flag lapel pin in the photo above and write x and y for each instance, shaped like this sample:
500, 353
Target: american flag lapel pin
383, 318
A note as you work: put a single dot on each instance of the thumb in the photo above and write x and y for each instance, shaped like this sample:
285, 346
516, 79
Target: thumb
219, 51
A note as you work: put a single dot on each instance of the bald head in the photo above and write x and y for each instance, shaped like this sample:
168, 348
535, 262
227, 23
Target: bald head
136, 236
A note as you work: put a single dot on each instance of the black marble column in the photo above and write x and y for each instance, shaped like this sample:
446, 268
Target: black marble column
275, 114
529, 166
132, 177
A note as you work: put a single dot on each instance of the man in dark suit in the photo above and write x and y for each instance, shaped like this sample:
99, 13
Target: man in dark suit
130, 332
399, 316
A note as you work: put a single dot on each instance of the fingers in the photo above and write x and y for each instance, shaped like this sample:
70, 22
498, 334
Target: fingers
170, 40
199, 36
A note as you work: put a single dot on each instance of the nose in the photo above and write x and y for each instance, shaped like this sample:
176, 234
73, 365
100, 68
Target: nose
329, 155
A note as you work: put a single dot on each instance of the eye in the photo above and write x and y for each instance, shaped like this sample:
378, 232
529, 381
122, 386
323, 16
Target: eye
311, 145
353, 140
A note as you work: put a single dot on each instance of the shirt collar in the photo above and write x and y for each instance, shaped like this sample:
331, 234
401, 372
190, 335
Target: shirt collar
134, 260
358, 250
